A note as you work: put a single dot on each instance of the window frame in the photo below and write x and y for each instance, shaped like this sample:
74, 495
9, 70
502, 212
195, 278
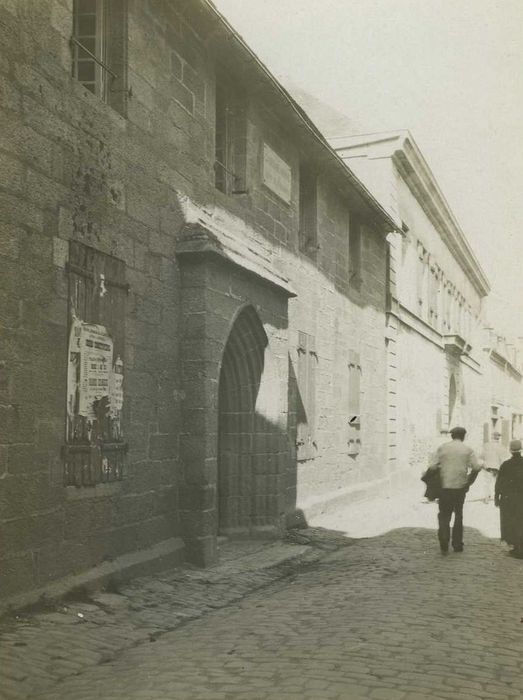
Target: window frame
96, 57
109, 56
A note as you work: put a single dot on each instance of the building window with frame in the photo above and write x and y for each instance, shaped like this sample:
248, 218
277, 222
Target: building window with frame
99, 45
95, 448
308, 210
230, 163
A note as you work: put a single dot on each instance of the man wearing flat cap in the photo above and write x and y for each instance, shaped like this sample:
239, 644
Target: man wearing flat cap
459, 468
509, 498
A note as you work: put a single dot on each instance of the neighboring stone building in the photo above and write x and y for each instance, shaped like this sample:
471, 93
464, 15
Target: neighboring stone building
435, 322
504, 375
193, 290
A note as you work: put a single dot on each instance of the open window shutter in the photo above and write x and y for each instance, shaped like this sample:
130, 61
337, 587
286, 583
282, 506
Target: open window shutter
354, 420
312, 361
306, 410
303, 434
308, 225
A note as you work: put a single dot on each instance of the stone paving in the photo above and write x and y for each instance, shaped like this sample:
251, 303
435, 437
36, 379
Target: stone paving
384, 617
39, 648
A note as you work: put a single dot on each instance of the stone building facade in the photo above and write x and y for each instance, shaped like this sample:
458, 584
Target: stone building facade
193, 291
504, 374
437, 372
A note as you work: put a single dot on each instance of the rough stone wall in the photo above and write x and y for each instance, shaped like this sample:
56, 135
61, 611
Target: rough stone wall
72, 168
226, 290
342, 319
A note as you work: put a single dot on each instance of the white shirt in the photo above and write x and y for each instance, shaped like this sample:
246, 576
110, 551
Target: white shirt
454, 459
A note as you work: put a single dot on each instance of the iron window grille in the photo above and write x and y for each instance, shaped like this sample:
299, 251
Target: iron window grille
95, 448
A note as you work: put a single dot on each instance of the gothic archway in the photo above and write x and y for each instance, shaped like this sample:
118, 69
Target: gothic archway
239, 427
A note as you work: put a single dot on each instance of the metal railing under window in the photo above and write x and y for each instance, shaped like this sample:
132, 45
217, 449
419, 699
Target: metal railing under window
114, 76
75, 42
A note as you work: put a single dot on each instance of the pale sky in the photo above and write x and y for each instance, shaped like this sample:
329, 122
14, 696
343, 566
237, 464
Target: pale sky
450, 71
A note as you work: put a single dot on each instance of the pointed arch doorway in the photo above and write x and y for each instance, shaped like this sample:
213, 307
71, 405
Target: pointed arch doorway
241, 431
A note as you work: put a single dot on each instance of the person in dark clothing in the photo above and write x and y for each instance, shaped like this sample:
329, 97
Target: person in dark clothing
508, 496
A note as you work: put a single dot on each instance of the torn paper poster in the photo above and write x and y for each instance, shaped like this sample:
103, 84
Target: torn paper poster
96, 347
116, 392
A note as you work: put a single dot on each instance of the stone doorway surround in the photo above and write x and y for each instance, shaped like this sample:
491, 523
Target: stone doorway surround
235, 325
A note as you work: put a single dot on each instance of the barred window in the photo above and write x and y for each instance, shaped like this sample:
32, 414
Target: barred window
99, 49
231, 140
95, 447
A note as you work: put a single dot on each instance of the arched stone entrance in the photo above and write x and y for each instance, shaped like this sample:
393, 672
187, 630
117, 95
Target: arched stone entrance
248, 442
233, 394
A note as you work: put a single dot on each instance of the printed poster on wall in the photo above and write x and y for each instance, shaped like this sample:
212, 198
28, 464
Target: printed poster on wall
96, 367
91, 373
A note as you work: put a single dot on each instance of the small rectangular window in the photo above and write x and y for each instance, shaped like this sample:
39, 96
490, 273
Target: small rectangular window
308, 210
231, 140
433, 294
99, 49
354, 252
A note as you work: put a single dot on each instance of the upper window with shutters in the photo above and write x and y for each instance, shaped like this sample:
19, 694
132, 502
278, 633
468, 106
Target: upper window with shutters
306, 398
230, 139
99, 45
308, 210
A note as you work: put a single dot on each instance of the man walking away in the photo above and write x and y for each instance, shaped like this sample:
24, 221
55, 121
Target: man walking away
509, 498
459, 468
493, 455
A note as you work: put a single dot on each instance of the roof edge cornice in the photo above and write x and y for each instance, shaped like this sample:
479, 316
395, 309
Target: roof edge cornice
412, 166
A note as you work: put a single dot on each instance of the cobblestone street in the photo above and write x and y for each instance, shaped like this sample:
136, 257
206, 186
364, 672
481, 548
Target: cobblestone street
383, 617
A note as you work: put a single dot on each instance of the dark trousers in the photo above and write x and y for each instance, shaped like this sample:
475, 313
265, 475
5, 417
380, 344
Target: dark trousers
451, 501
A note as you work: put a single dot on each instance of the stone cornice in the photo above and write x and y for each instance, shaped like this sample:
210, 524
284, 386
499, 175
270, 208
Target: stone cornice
197, 240
413, 168
505, 364
410, 320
